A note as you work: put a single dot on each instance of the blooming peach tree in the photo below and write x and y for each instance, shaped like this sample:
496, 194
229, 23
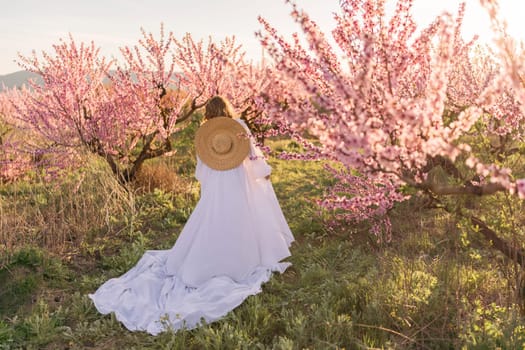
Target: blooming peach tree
12, 163
124, 113
397, 107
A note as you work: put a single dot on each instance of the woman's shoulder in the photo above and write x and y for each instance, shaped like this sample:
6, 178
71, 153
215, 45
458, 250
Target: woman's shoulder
240, 121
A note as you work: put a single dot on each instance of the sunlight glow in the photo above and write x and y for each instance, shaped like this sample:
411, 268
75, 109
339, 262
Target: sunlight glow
27, 25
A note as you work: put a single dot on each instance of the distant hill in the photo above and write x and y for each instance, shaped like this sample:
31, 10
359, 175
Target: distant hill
17, 79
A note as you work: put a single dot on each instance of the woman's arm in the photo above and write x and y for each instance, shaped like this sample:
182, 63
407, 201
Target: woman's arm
256, 162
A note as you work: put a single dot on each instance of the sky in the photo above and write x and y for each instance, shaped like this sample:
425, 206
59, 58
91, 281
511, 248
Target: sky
27, 25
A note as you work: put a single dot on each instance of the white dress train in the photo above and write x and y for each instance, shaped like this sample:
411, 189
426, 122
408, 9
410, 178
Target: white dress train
232, 242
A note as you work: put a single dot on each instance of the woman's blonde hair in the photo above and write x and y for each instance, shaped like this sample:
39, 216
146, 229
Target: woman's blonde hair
218, 106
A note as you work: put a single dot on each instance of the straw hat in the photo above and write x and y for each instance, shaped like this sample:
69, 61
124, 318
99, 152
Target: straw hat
222, 143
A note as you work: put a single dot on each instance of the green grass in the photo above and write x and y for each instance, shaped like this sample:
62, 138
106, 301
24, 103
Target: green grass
434, 286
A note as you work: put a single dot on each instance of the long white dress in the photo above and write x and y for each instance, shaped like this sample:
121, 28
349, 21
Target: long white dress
233, 241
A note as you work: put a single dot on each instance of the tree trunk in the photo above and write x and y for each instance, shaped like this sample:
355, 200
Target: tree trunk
513, 253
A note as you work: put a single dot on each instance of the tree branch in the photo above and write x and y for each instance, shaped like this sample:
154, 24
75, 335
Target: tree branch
193, 107
513, 253
482, 190
445, 163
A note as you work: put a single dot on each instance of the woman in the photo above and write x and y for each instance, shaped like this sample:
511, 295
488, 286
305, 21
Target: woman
233, 240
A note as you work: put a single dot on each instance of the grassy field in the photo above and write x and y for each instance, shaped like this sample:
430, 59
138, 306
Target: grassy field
435, 285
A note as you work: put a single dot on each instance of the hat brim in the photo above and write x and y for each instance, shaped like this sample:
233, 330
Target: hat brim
226, 127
